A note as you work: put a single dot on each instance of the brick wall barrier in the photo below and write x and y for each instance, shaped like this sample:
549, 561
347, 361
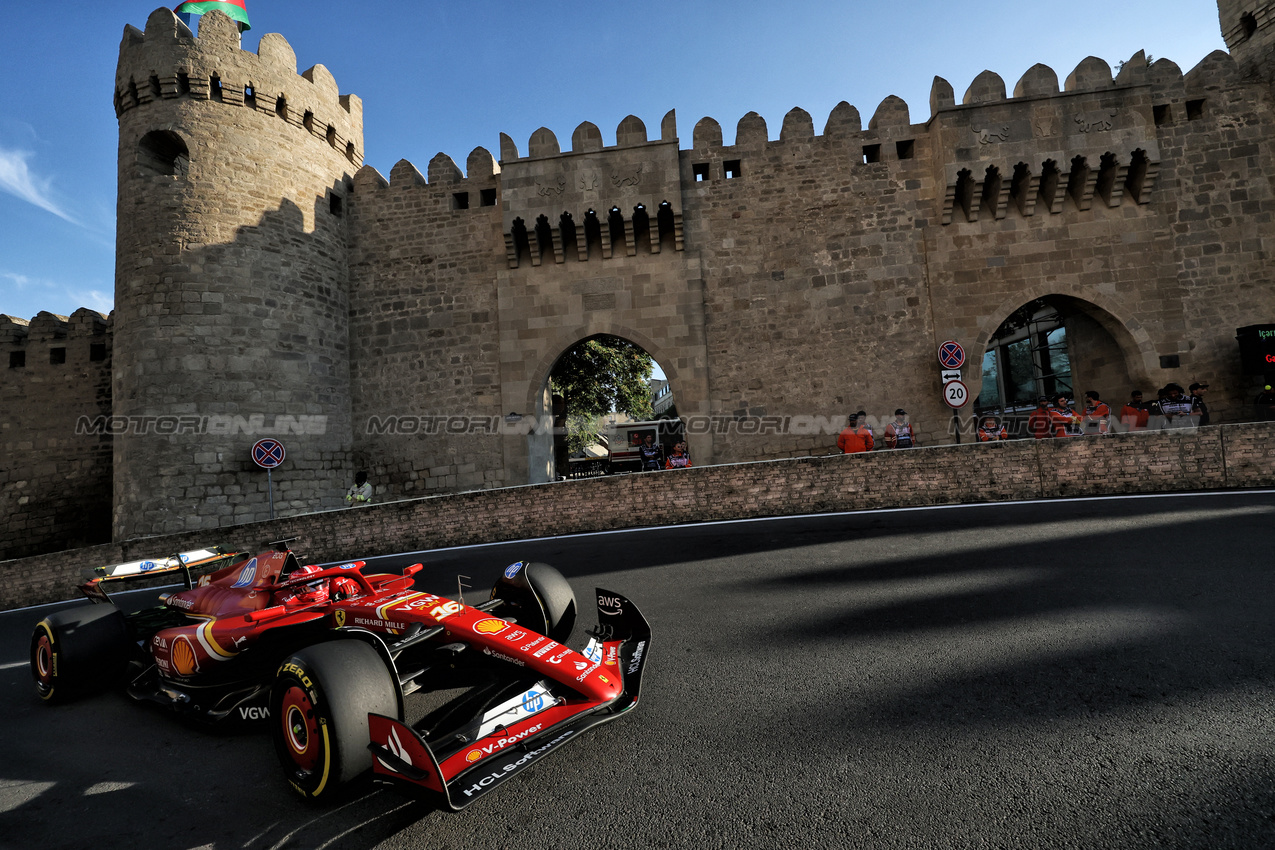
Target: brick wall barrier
1218, 457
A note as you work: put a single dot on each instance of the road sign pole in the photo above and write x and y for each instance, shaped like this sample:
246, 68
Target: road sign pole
268, 454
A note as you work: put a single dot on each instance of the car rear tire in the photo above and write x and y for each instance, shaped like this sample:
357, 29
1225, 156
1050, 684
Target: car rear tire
78, 651
318, 713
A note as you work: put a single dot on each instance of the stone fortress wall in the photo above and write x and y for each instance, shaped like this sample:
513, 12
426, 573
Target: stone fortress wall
55, 468
408, 325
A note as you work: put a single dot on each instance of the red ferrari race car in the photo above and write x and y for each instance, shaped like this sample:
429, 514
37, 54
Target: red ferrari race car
326, 655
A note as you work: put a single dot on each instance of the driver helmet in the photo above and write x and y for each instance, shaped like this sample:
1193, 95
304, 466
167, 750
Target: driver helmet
306, 593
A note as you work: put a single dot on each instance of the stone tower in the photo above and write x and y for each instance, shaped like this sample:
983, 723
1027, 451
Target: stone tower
231, 306
1248, 28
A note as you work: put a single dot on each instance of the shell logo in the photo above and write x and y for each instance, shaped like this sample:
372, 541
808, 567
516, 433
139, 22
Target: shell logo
183, 657
473, 756
490, 626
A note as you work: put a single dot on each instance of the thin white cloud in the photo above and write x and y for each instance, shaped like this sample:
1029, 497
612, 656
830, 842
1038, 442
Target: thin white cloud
23, 295
102, 302
21, 281
17, 180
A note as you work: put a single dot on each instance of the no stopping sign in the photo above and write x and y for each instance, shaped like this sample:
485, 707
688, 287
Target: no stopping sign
268, 454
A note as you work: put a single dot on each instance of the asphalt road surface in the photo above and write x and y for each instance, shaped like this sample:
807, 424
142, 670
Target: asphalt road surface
1094, 673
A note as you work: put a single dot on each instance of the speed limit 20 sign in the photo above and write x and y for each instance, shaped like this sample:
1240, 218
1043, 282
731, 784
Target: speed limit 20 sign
955, 394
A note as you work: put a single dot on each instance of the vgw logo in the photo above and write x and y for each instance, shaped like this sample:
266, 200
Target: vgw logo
254, 712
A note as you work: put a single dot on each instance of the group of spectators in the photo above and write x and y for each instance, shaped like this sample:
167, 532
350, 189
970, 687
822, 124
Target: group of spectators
1055, 416
858, 437
653, 458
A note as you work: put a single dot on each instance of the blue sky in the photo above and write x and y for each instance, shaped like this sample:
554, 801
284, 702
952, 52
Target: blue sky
452, 76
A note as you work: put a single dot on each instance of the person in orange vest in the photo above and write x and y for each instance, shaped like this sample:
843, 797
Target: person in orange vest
679, 459
1038, 423
991, 430
1064, 421
1097, 415
1134, 415
899, 433
856, 438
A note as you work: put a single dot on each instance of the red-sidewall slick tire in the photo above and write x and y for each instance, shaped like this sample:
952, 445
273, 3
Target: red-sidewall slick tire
318, 713
78, 651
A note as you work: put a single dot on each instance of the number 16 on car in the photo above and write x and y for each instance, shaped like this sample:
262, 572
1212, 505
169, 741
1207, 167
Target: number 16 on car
956, 394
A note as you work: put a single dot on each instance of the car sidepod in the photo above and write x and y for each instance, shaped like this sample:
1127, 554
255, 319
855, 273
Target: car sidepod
520, 732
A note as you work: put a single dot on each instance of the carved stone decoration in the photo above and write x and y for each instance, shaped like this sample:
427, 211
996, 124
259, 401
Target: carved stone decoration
623, 181
1095, 122
557, 189
991, 136
511, 250
1044, 122
949, 202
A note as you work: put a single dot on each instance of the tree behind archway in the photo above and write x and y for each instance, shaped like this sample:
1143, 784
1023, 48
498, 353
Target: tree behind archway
601, 375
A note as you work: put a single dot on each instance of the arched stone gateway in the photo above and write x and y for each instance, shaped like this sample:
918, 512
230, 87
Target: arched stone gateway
565, 378
685, 381
1056, 343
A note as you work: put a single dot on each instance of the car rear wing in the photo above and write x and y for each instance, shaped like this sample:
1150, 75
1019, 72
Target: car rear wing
152, 572
401, 755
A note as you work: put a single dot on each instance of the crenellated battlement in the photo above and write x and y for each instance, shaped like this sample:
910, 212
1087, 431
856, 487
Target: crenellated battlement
81, 338
47, 327
167, 62
1096, 138
1029, 151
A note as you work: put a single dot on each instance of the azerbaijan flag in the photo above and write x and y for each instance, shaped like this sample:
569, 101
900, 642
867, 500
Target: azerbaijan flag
234, 9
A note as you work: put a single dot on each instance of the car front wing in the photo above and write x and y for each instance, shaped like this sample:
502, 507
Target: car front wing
538, 723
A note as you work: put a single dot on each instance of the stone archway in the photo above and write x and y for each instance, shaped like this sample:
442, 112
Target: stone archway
1135, 344
1056, 343
540, 442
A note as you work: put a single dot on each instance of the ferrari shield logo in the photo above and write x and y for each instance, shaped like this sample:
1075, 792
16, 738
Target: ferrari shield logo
339, 616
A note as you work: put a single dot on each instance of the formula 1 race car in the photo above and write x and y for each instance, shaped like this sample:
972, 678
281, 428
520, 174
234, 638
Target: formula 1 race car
325, 656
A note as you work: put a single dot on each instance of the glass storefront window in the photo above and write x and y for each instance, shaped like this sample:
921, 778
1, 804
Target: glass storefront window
1026, 358
990, 395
